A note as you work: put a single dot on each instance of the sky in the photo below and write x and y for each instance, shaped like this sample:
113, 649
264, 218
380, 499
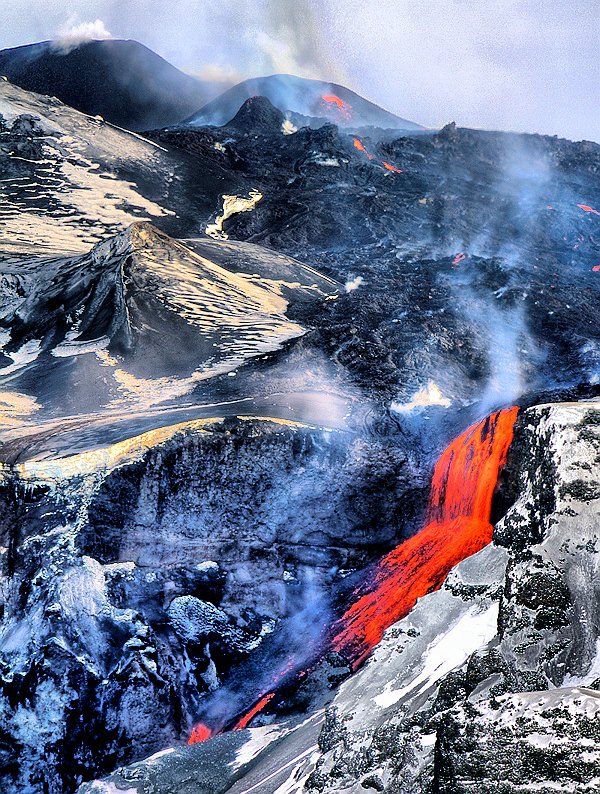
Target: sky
523, 65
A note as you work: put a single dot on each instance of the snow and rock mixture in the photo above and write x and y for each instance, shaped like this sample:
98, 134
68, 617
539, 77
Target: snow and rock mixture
518, 710
490, 684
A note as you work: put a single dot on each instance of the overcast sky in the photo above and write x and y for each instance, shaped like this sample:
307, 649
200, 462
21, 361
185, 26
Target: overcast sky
526, 65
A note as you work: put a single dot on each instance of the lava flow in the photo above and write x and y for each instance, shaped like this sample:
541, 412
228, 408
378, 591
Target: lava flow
249, 715
459, 258
391, 167
458, 526
585, 208
358, 144
200, 733
343, 107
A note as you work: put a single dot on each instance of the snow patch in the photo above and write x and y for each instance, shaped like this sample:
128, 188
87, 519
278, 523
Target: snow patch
354, 283
447, 652
232, 205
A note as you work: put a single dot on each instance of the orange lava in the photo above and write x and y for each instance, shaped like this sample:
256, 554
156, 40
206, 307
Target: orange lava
343, 107
458, 258
585, 208
358, 144
200, 733
250, 715
596, 268
391, 167
458, 526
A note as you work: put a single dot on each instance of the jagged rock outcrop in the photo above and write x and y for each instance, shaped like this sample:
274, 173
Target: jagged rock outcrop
488, 685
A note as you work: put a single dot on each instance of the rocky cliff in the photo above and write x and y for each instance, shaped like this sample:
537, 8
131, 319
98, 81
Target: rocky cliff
488, 685
136, 576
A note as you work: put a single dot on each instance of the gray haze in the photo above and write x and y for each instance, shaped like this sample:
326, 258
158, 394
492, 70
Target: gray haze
526, 65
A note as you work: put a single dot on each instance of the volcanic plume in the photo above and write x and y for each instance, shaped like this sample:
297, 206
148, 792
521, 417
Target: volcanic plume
458, 525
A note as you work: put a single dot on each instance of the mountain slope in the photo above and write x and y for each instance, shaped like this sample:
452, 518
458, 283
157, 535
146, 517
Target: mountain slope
142, 319
311, 98
70, 180
122, 81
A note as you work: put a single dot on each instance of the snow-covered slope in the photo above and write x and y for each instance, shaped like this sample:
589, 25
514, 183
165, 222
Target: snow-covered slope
60, 188
68, 180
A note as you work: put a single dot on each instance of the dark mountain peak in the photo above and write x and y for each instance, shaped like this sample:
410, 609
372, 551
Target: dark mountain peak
313, 99
257, 114
121, 80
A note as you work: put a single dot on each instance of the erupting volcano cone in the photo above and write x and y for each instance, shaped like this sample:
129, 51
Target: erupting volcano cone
458, 526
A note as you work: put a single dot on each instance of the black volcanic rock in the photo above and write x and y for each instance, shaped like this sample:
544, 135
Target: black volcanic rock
120, 621
257, 114
310, 98
122, 81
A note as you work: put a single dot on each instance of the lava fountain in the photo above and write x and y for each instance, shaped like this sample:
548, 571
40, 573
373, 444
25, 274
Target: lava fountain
458, 525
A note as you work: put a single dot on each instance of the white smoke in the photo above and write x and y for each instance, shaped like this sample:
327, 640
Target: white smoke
354, 283
73, 34
423, 398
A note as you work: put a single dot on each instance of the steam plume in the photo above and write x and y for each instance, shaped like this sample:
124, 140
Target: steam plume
72, 35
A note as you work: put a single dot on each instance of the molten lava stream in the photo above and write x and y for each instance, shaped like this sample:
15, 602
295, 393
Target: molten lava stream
251, 714
200, 733
358, 144
343, 107
458, 525
587, 208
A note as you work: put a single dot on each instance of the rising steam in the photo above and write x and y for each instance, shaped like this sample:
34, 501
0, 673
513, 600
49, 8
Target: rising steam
73, 34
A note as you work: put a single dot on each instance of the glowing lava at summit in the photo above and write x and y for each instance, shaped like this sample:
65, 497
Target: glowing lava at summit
459, 258
458, 526
343, 107
391, 167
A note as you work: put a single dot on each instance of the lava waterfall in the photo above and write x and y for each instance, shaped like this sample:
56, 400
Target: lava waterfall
458, 525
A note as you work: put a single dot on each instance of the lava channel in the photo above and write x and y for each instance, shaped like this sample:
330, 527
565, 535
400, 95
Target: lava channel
458, 525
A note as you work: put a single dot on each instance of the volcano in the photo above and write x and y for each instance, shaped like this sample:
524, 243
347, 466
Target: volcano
263, 483
122, 81
310, 99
